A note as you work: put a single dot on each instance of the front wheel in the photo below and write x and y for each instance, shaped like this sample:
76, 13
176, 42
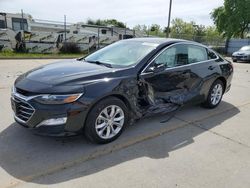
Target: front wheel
106, 120
215, 94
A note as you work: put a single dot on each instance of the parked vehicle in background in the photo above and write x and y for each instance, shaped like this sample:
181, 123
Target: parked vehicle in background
130, 79
242, 55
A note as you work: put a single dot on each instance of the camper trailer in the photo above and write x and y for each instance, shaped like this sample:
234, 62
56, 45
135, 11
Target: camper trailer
20, 32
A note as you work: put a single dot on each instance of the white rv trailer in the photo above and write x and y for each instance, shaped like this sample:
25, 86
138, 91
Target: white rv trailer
22, 32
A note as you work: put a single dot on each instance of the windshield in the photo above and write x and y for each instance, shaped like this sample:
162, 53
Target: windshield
123, 53
245, 48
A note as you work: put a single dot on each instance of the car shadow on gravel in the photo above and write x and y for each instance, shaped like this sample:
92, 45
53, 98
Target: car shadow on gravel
30, 158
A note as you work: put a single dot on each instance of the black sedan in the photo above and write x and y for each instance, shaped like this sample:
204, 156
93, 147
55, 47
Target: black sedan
100, 94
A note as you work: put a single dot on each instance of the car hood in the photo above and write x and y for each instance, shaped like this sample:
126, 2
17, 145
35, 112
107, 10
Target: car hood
69, 73
66, 72
242, 53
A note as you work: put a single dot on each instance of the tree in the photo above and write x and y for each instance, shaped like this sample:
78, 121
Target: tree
107, 22
199, 33
182, 29
155, 28
115, 22
213, 37
142, 28
232, 19
211, 31
193, 31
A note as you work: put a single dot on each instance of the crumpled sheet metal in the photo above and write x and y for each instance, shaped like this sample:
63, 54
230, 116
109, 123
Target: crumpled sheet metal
163, 103
158, 103
161, 108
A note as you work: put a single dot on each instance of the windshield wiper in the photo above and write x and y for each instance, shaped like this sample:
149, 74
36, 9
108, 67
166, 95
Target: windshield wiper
100, 63
80, 59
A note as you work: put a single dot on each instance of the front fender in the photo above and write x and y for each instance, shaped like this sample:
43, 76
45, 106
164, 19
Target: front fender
125, 89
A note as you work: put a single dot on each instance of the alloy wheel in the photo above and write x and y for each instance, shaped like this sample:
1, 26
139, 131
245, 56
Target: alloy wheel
216, 94
109, 122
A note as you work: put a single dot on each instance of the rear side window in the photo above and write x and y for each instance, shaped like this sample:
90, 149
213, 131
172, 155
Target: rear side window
196, 54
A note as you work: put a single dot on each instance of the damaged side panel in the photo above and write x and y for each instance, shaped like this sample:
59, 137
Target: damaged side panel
167, 91
152, 104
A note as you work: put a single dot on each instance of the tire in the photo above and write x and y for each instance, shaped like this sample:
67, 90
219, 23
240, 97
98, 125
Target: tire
101, 127
215, 95
235, 60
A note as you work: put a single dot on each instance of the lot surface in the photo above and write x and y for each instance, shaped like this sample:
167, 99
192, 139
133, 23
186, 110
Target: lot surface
196, 148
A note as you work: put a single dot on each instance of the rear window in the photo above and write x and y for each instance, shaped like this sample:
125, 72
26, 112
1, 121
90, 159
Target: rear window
245, 48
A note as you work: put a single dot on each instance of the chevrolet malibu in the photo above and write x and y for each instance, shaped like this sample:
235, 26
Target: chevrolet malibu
99, 95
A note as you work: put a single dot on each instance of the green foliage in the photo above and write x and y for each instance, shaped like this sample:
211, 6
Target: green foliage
182, 29
70, 47
192, 31
155, 29
142, 28
15, 55
232, 19
107, 22
185, 30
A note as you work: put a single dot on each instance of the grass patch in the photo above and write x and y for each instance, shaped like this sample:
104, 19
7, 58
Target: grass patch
15, 55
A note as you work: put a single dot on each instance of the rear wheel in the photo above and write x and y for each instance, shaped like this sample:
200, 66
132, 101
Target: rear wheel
106, 120
215, 94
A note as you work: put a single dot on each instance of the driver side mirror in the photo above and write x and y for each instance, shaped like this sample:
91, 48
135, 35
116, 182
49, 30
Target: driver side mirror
156, 68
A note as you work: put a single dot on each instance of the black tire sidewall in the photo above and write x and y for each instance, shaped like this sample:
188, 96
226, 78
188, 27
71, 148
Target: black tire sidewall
208, 102
89, 128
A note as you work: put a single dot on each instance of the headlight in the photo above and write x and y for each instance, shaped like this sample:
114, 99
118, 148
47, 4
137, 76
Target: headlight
58, 99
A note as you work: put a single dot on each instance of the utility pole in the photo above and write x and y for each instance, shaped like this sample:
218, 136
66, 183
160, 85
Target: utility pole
98, 38
169, 18
65, 31
22, 25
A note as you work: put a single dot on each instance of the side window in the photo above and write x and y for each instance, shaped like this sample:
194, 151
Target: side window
19, 24
174, 56
2, 24
196, 54
104, 31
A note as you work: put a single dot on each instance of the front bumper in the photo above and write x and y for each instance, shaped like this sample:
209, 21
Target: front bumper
29, 113
241, 58
55, 131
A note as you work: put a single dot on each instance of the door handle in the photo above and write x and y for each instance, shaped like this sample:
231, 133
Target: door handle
211, 68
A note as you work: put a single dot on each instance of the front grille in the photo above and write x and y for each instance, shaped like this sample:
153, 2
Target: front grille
23, 110
24, 92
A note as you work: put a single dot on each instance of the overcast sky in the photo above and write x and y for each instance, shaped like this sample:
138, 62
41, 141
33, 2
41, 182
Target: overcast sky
130, 12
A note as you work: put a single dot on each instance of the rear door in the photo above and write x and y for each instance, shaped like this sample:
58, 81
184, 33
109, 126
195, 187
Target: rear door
181, 79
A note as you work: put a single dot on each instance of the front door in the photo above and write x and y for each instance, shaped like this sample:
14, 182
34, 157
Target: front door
172, 76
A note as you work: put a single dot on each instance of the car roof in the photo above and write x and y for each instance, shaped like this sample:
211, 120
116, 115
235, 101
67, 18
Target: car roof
158, 41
